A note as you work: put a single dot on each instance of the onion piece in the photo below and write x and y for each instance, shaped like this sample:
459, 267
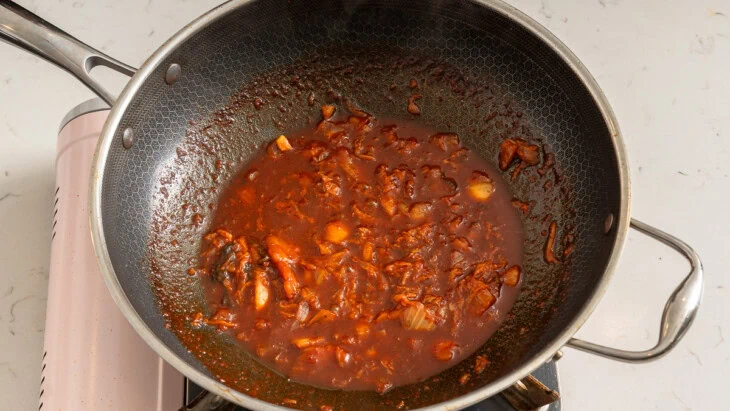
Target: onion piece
261, 290
322, 316
336, 232
419, 211
284, 256
389, 205
481, 186
445, 350
305, 342
362, 329
283, 143
482, 300
415, 317
507, 153
343, 357
302, 311
512, 276
328, 112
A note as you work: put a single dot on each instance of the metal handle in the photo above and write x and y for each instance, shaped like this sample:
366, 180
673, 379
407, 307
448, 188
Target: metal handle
529, 394
679, 312
206, 401
24, 29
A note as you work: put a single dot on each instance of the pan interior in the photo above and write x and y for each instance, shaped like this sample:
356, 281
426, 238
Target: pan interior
170, 164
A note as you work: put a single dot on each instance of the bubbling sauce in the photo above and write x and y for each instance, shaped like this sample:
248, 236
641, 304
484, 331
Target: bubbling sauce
362, 254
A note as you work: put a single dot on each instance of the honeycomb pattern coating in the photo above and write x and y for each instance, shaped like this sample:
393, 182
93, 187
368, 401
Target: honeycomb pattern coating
263, 35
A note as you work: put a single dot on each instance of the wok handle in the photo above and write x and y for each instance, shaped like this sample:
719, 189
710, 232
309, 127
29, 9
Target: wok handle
206, 401
679, 312
24, 29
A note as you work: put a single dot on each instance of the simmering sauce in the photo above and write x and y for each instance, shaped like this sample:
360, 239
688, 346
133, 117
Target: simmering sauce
362, 254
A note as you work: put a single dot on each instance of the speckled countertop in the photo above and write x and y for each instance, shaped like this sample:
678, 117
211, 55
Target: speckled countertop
660, 63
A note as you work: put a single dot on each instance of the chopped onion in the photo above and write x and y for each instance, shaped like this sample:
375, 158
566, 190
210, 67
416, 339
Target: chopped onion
336, 232
283, 143
512, 276
415, 318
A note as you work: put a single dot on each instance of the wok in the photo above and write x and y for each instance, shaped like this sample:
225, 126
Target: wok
190, 80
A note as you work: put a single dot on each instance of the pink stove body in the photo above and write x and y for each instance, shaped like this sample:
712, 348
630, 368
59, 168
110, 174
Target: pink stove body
93, 359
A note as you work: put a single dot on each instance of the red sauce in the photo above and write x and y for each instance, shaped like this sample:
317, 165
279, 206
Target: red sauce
362, 255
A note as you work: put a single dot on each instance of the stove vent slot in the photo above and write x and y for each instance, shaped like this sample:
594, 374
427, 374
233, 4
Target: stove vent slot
43, 378
55, 213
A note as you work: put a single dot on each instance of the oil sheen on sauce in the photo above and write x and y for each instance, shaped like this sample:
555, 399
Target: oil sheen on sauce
362, 254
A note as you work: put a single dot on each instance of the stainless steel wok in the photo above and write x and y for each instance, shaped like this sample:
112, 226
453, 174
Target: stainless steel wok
197, 70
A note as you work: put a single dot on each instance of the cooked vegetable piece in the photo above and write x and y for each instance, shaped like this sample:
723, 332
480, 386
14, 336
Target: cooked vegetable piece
362, 329
343, 357
419, 211
512, 276
444, 350
529, 154
550, 244
283, 143
416, 318
367, 252
302, 311
446, 141
322, 316
223, 319
389, 205
284, 256
480, 186
482, 300
336, 232
328, 112
480, 364
521, 205
304, 342
261, 290
412, 106
356, 112
507, 153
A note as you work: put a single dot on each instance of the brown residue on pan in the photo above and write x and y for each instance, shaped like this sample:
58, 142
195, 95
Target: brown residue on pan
550, 244
412, 106
521, 205
518, 149
568, 250
507, 153
480, 364
548, 162
569, 242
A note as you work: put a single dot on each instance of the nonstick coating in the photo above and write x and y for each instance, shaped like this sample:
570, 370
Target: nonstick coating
144, 188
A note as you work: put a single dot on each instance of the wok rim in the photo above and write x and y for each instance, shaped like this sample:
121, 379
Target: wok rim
212, 385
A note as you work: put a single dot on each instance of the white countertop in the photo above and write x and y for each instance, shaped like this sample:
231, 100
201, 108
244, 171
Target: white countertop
659, 62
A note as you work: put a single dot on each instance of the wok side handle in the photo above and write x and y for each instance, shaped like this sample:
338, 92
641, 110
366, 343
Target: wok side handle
24, 29
679, 312
205, 401
529, 394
